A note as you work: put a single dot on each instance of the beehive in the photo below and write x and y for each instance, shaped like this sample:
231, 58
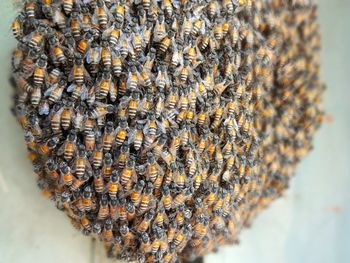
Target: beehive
163, 127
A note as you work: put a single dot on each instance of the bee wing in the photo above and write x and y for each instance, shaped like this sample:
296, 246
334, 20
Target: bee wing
131, 136
84, 93
49, 90
113, 92
44, 108
71, 75
71, 87
176, 3
107, 32
94, 55
146, 128
152, 203
87, 75
123, 102
60, 150
88, 167
161, 126
160, 170
57, 17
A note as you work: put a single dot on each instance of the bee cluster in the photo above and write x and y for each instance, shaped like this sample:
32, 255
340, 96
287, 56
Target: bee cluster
162, 127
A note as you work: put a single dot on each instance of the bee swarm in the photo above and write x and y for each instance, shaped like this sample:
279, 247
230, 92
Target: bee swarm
163, 127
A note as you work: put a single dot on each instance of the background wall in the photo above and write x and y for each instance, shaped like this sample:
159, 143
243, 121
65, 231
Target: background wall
311, 223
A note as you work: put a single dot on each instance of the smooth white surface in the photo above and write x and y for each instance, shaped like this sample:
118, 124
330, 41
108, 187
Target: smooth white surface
309, 224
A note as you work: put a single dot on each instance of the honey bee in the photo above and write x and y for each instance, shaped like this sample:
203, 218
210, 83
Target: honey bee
66, 115
93, 58
128, 173
86, 223
159, 244
136, 41
123, 155
30, 9
160, 29
133, 80
135, 194
166, 42
59, 19
56, 118
107, 231
180, 237
106, 55
121, 132
180, 198
35, 40
116, 63
52, 170
147, 200
40, 72
98, 182
122, 213
75, 24
100, 110
78, 182
145, 223
133, 104
161, 217
168, 8
120, 13
79, 73
83, 44
107, 165
102, 15
146, 4
103, 211
153, 169
17, 26
82, 164
137, 136
145, 245
184, 72
89, 141
127, 235
66, 175
69, 147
